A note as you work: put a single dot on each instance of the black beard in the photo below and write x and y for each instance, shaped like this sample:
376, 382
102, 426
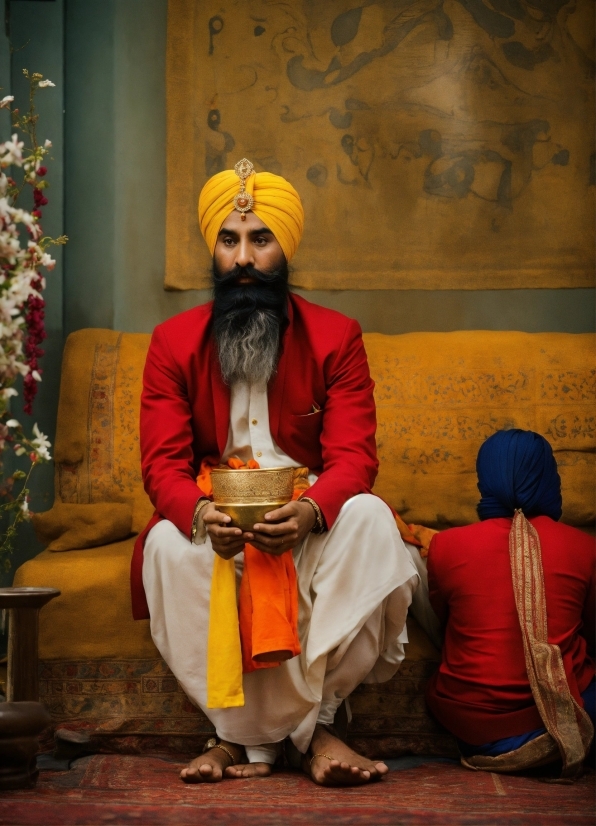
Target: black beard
249, 321
234, 303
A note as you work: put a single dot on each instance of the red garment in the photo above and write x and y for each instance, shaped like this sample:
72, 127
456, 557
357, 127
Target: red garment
185, 414
481, 691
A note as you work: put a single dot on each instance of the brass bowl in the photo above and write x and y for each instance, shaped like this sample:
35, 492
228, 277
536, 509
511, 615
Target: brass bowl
247, 494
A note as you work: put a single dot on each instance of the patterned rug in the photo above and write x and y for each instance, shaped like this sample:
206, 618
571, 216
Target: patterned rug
127, 789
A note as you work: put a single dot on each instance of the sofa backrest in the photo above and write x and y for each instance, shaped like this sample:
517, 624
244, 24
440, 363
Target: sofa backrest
97, 454
439, 396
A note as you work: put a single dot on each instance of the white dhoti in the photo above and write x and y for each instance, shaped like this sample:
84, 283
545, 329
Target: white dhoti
355, 584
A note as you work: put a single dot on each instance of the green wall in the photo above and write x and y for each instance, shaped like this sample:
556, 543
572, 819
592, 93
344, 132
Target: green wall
106, 118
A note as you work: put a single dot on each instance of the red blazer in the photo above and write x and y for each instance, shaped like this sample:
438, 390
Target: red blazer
185, 414
481, 691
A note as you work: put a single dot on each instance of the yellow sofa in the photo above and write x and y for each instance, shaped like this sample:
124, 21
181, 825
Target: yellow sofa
439, 395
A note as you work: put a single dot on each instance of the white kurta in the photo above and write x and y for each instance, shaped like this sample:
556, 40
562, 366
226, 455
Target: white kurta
355, 585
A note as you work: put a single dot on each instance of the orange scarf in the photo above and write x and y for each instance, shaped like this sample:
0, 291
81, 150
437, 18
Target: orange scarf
267, 612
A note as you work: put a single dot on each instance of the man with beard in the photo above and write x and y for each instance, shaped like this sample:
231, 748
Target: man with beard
261, 375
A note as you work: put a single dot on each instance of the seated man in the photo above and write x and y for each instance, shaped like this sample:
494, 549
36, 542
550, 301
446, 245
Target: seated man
512, 644
261, 375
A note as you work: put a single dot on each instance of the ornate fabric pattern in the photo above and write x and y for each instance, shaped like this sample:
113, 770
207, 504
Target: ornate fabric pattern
440, 395
124, 698
97, 447
566, 722
435, 144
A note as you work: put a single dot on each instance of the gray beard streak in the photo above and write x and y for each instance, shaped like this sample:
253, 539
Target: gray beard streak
250, 354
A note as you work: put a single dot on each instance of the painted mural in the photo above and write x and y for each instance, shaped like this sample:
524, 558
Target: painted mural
436, 144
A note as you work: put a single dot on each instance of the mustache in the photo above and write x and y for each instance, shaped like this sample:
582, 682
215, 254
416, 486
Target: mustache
234, 303
222, 279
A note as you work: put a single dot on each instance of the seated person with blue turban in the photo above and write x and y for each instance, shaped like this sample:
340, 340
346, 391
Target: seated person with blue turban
516, 592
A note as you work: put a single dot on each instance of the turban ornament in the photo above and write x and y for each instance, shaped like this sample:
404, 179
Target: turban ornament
243, 202
272, 199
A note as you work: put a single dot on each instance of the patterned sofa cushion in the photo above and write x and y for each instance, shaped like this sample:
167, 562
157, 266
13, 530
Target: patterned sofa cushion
439, 395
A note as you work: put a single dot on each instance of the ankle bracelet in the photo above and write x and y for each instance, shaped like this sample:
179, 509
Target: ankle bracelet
213, 744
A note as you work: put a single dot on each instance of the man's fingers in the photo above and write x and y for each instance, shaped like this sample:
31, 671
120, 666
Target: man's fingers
221, 531
228, 544
268, 549
285, 512
276, 530
215, 528
288, 540
215, 517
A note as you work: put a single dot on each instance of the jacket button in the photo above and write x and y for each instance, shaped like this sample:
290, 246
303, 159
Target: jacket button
254, 421
259, 453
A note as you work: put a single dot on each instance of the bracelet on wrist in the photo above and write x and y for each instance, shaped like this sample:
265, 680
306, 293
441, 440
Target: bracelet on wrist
320, 525
202, 503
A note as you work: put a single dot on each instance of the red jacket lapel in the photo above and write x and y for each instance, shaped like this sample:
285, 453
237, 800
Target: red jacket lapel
275, 391
221, 400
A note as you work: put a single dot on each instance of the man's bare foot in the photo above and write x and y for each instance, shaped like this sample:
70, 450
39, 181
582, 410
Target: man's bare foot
244, 770
210, 767
342, 766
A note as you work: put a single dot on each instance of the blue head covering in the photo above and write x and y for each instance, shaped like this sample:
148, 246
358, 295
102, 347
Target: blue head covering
517, 469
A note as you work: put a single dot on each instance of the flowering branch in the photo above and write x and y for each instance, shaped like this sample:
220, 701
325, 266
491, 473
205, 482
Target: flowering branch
37, 450
23, 253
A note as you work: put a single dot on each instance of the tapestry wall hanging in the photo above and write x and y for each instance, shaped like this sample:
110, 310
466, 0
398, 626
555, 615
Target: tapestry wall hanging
436, 144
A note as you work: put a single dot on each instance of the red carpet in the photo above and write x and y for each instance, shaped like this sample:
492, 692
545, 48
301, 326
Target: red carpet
120, 789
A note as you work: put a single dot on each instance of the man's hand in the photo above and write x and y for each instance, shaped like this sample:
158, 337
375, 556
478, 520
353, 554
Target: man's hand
226, 541
284, 528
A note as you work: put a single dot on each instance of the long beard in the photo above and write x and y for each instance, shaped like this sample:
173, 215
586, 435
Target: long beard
248, 322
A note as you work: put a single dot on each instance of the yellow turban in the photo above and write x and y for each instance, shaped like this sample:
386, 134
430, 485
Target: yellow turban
276, 204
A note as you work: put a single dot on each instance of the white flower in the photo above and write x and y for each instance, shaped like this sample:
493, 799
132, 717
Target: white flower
47, 261
12, 423
41, 444
11, 151
21, 258
6, 101
24, 506
43, 84
20, 450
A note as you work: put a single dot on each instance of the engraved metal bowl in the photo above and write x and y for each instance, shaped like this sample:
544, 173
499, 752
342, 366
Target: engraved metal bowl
247, 494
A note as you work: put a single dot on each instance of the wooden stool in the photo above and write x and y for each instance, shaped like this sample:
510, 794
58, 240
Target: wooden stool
23, 606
